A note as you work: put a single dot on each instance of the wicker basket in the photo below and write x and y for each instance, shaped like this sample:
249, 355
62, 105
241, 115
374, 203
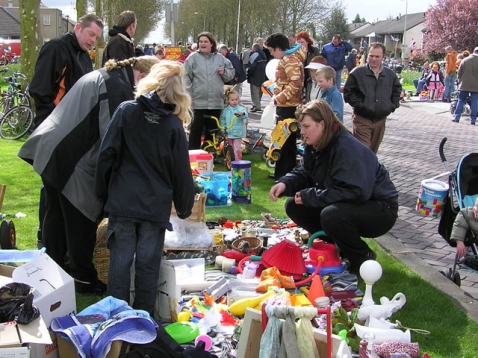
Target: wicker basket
255, 244
101, 255
199, 209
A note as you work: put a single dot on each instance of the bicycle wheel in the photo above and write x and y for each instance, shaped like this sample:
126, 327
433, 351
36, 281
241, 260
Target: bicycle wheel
229, 156
16, 122
4, 105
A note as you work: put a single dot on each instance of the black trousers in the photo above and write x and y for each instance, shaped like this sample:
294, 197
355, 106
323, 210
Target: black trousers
200, 123
67, 230
288, 158
346, 223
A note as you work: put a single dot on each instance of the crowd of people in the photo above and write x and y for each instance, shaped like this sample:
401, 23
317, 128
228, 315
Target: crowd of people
112, 142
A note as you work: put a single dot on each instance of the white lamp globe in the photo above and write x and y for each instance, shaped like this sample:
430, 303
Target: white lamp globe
371, 271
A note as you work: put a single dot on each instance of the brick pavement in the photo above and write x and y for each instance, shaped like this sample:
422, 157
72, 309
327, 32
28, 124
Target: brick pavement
410, 152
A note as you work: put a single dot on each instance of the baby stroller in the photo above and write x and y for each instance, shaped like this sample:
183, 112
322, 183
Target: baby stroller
463, 192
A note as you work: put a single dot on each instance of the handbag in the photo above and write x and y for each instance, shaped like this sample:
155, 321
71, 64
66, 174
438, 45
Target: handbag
268, 118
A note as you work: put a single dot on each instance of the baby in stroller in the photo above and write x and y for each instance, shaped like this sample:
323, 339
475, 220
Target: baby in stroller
466, 220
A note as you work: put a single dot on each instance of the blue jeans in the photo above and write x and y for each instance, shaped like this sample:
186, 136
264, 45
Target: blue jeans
418, 85
462, 96
125, 239
338, 78
449, 85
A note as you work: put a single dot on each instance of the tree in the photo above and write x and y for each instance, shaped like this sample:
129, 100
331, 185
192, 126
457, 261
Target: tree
29, 35
335, 24
81, 7
451, 22
148, 13
258, 18
357, 19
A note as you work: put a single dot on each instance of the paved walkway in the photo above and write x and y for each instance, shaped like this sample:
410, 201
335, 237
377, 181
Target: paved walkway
410, 152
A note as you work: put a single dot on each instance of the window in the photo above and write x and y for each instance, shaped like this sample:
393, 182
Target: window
10, 3
46, 19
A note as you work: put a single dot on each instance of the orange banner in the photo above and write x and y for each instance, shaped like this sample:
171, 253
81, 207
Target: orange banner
172, 53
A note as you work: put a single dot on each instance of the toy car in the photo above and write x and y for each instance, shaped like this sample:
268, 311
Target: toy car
279, 135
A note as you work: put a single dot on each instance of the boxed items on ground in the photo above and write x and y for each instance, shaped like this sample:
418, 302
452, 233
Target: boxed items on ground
172, 275
54, 296
217, 187
17, 340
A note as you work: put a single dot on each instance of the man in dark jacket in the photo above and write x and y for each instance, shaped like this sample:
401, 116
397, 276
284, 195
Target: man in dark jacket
374, 92
62, 61
240, 75
351, 61
256, 75
121, 46
334, 52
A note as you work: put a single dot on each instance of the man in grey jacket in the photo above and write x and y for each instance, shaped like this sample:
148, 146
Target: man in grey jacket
374, 92
468, 86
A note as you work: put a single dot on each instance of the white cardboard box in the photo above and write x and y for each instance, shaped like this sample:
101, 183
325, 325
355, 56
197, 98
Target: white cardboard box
172, 275
54, 291
13, 338
54, 295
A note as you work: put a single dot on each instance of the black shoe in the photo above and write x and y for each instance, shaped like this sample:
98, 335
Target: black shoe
96, 288
271, 176
355, 267
455, 120
253, 109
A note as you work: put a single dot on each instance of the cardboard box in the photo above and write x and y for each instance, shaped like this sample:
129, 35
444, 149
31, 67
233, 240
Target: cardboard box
54, 296
174, 274
54, 291
68, 350
16, 341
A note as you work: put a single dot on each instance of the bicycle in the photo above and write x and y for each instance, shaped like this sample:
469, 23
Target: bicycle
14, 96
220, 146
15, 108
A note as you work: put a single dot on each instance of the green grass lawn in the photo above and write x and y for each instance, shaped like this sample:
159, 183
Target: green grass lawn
453, 334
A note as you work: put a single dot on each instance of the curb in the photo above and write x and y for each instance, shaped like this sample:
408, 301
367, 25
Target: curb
400, 252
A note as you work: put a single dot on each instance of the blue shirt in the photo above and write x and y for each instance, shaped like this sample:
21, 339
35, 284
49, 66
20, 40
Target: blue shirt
238, 130
334, 98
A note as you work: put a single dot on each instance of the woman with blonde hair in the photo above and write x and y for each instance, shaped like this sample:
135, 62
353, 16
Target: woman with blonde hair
339, 187
143, 167
63, 151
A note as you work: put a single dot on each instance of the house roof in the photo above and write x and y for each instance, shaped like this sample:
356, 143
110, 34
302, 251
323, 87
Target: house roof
9, 24
355, 26
391, 26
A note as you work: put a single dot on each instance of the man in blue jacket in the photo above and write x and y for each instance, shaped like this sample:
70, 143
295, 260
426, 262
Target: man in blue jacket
334, 52
240, 75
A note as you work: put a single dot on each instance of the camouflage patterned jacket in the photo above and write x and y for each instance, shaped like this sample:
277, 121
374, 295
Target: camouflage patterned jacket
290, 79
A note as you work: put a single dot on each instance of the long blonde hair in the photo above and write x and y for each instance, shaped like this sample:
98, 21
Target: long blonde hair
166, 78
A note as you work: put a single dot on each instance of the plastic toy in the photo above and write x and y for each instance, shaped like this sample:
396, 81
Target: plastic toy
219, 145
183, 332
279, 135
239, 307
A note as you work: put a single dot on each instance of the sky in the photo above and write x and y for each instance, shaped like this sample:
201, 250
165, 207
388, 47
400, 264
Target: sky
371, 10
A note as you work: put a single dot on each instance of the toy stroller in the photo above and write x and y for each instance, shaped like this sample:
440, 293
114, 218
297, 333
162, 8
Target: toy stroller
462, 193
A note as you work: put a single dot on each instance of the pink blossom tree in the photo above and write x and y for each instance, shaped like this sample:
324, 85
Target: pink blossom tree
454, 23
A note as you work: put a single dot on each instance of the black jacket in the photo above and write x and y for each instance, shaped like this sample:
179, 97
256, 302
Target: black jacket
240, 75
371, 98
256, 72
345, 171
60, 64
143, 164
120, 46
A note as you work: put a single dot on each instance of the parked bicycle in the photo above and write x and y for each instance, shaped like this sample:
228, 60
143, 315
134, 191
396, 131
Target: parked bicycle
15, 107
219, 145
